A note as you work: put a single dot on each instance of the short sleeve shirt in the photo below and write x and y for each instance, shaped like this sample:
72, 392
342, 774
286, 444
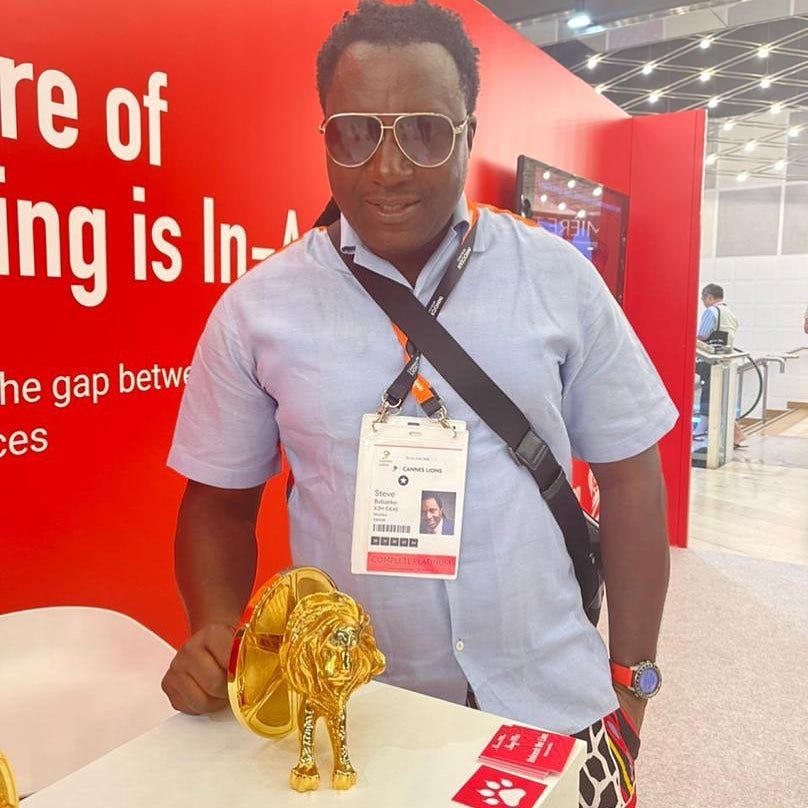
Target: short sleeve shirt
295, 351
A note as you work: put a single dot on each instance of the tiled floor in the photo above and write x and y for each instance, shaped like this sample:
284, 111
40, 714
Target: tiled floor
757, 505
733, 636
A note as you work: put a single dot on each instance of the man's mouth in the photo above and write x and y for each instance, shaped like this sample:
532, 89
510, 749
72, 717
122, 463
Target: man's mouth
392, 209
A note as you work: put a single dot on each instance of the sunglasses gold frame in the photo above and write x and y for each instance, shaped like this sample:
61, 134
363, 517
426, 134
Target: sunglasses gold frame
377, 116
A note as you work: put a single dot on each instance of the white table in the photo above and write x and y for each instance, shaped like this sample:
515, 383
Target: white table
409, 750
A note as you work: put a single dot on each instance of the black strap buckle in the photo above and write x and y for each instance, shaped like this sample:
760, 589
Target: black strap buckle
532, 453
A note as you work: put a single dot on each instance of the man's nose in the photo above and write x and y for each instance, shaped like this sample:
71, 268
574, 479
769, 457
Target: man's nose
389, 162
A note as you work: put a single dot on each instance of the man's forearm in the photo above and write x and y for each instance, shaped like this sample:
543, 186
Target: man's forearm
215, 558
635, 554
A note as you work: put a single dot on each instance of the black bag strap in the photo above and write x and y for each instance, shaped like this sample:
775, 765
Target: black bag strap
488, 400
401, 386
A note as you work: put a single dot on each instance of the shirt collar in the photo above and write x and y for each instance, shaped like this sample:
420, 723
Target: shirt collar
461, 220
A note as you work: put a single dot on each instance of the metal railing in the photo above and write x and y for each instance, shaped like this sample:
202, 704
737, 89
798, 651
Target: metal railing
763, 363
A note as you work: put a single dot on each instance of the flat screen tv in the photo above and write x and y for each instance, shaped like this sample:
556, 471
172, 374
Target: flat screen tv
592, 217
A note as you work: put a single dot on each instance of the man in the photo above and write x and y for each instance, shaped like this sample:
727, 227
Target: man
717, 324
717, 320
509, 633
433, 519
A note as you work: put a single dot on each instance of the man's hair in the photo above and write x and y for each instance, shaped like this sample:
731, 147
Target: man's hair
714, 290
432, 495
381, 24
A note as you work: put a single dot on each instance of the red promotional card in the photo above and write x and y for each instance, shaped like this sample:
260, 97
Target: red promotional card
527, 750
489, 787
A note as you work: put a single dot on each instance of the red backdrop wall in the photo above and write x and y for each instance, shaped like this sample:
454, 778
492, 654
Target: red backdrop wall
88, 506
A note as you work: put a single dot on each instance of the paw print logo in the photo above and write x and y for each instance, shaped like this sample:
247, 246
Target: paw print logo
501, 792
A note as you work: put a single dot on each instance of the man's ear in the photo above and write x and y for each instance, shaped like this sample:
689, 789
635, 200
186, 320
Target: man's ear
471, 130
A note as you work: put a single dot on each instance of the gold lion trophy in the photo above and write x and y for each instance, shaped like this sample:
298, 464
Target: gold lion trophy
8, 788
302, 649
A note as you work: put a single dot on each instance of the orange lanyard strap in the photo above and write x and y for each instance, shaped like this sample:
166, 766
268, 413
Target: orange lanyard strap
421, 388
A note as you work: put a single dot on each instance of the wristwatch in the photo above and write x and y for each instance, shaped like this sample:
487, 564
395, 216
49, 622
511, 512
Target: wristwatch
643, 679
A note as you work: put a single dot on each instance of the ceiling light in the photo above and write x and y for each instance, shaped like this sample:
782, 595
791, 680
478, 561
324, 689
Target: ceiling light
728, 126
779, 165
562, 205
547, 175
713, 102
571, 184
776, 108
766, 82
592, 62
577, 21
600, 89
705, 75
750, 145
742, 177
598, 191
711, 158
543, 198
648, 68
654, 97
794, 131
581, 214
706, 42
763, 51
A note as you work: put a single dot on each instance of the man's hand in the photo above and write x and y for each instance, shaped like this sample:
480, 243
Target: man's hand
196, 680
633, 706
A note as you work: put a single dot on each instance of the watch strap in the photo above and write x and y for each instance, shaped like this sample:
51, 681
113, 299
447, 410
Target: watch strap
622, 675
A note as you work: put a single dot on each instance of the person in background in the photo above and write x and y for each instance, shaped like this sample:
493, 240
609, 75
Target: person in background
718, 324
717, 317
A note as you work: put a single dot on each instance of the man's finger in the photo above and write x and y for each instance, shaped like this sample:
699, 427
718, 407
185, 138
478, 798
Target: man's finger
189, 696
219, 641
209, 675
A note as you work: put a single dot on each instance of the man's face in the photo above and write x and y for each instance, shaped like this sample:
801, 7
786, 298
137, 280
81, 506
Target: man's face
431, 514
397, 208
708, 300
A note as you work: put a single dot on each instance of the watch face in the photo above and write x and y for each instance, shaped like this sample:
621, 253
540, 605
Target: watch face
648, 680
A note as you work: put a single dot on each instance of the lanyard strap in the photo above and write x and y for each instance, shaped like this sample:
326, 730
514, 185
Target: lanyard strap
409, 378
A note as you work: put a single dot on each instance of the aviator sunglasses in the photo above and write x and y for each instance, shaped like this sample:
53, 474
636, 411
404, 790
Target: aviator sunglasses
425, 138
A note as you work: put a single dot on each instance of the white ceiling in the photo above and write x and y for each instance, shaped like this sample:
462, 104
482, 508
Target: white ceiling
745, 61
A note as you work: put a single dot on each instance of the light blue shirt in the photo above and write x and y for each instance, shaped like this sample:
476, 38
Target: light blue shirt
717, 315
708, 322
296, 351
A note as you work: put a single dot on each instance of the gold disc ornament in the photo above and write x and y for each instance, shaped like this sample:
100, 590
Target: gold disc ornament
259, 693
8, 788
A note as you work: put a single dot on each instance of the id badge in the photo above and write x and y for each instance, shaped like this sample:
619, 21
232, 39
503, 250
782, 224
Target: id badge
410, 486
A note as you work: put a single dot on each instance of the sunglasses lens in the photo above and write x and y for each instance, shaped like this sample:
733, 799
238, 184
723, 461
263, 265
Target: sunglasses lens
426, 139
351, 139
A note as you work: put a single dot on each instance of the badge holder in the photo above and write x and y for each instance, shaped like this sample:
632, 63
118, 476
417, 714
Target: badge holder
410, 486
387, 409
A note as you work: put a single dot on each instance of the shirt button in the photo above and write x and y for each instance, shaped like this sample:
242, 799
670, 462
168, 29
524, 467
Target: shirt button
459, 645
